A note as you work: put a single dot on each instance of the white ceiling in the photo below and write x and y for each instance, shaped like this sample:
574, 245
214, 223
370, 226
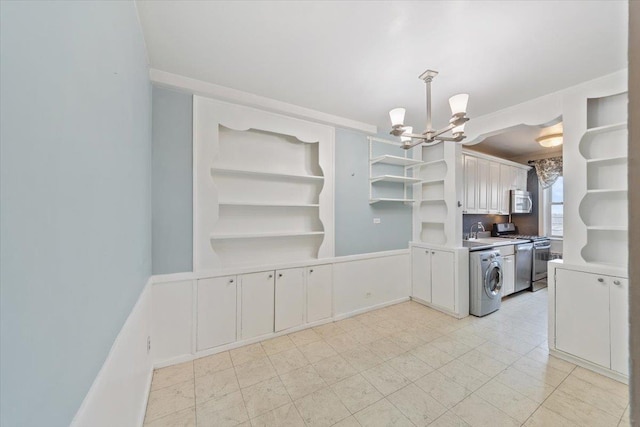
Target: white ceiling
519, 142
358, 59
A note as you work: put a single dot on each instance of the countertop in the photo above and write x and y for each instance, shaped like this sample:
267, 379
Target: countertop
489, 242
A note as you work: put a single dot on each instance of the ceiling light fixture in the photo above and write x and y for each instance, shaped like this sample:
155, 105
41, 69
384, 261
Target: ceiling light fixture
458, 104
551, 140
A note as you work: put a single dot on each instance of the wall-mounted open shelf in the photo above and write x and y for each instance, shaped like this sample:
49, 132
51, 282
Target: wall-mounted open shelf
264, 174
382, 199
396, 161
272, 205
265, 235
395, 178
390, 169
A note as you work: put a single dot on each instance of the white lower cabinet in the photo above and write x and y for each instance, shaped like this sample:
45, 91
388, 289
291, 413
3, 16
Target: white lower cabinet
216, 315
257, 302
433, 277
508, 274
319, 292
289, 298
421, 274
591, 318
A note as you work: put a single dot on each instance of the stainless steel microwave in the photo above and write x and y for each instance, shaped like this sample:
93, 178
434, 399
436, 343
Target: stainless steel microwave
520, 202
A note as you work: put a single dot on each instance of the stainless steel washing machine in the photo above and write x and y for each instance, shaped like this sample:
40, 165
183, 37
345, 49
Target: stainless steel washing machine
485, 282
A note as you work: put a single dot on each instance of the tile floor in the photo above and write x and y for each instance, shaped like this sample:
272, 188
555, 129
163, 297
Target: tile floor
403, 365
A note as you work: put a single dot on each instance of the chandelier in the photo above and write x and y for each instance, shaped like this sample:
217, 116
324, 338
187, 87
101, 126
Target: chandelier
430, 136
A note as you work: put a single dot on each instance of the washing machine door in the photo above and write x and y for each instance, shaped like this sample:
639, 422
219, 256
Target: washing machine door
493, 280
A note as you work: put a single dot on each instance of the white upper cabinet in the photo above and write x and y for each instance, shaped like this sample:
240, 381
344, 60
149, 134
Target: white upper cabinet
470, 184
494, 196
483, 186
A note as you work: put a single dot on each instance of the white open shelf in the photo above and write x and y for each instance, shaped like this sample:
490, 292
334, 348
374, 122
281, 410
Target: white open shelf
607, 128
264, 174
621, 159
432, 181
387, 199
396, 160
265, 235
607, 227
607, 190
395, 178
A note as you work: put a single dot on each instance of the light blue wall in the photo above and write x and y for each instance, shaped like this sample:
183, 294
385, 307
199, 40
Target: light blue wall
172, 181
355, 231
75, 198
172, 191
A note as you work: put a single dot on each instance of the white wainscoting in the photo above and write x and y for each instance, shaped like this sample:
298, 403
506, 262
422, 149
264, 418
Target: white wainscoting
118, 395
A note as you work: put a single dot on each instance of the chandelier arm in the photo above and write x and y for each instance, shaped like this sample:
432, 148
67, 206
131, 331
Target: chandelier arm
428, 84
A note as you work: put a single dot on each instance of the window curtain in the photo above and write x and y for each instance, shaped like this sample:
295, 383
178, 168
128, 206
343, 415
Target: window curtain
548, 170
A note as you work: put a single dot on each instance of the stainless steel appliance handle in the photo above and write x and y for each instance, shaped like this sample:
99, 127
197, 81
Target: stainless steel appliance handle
542, 247
528, 208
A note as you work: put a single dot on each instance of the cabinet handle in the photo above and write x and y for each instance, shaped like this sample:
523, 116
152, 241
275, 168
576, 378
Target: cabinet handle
280, 275
600, 279
271, 276
311, 271
426, 252
230, 280
433, 253
617, 282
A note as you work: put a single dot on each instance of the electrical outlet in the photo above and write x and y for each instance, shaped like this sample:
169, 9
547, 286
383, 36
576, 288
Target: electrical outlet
376, 220
148, 344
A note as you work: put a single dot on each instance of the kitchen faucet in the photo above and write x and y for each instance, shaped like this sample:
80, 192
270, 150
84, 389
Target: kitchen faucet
478, 226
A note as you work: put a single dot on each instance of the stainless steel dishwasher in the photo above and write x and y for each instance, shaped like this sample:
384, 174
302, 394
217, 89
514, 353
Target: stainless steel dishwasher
524, 261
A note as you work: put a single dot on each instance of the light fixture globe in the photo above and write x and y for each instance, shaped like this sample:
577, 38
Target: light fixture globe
551, 140
397, 116
458, 104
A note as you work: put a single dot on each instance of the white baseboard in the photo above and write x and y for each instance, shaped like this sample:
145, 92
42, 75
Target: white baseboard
366, 309
118, 395
590, 366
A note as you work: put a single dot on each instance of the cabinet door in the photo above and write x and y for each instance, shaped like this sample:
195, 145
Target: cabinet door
494, 187
619, 307
442, 279
216, 312
582, 315
483, 186
319, 292
505, 187
421, 274
257, 304
508, 274
289, 302
470, 184
521, 179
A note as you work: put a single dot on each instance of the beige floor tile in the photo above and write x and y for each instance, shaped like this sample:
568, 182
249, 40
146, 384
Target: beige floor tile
577, 411
452, 346
342, 342
382, 414
171, 375
612, 386
468, 377
321, 408
350, 324
255, 371
498, 352
317, 350
543, 417
288, 360
365, 335
385, 348
424, 333
348, 422
541, 371
334, 368
478, 413
542, 355
432, 355
533, 388
410, 366
277, 345
304, 337
385, 379
247, 353
210, 364
467, 336
284, 416
227, 410
514, 344
361, 358
356, 393
184, 418
483, 362
443, 389
594, 395
419, 407
216, 385
449, 419
265, 396
625, 421
168, 400
511, 402
302, 382
329, 330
